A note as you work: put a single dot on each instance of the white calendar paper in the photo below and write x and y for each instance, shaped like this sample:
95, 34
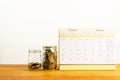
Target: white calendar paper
86, 46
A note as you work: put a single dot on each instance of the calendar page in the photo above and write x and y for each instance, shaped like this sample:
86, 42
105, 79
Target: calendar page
86, 46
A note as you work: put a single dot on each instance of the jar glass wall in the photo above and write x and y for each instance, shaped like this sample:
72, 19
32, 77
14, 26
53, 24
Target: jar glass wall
49, 57
34, 59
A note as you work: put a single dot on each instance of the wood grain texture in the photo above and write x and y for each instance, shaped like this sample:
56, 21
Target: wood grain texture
21, 72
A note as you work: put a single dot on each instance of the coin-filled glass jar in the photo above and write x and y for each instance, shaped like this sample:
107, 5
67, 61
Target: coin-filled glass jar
49, 57
34, 59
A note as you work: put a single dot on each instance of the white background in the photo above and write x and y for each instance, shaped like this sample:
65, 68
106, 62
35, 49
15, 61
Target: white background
30, 24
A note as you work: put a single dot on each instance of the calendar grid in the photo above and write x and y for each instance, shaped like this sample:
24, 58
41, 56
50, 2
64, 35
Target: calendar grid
86, 47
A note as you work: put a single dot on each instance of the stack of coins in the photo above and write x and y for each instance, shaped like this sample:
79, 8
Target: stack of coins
35, 65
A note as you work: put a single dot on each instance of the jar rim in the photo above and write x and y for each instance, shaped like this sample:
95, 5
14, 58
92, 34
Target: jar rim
49, 46
34, 50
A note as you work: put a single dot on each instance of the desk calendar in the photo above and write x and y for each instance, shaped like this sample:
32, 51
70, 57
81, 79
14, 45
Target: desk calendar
80, 48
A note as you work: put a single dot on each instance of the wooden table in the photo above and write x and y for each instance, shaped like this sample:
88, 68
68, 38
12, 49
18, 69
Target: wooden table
21, 72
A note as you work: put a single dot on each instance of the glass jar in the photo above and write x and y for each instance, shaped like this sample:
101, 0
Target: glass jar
34, 59
49, 57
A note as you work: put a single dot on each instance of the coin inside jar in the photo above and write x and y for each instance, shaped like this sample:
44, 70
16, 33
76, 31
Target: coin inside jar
35, 65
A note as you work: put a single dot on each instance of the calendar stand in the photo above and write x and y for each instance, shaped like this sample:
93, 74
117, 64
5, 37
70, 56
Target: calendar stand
86, 49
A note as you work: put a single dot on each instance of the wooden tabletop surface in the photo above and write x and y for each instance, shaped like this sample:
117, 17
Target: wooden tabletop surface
21, 72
